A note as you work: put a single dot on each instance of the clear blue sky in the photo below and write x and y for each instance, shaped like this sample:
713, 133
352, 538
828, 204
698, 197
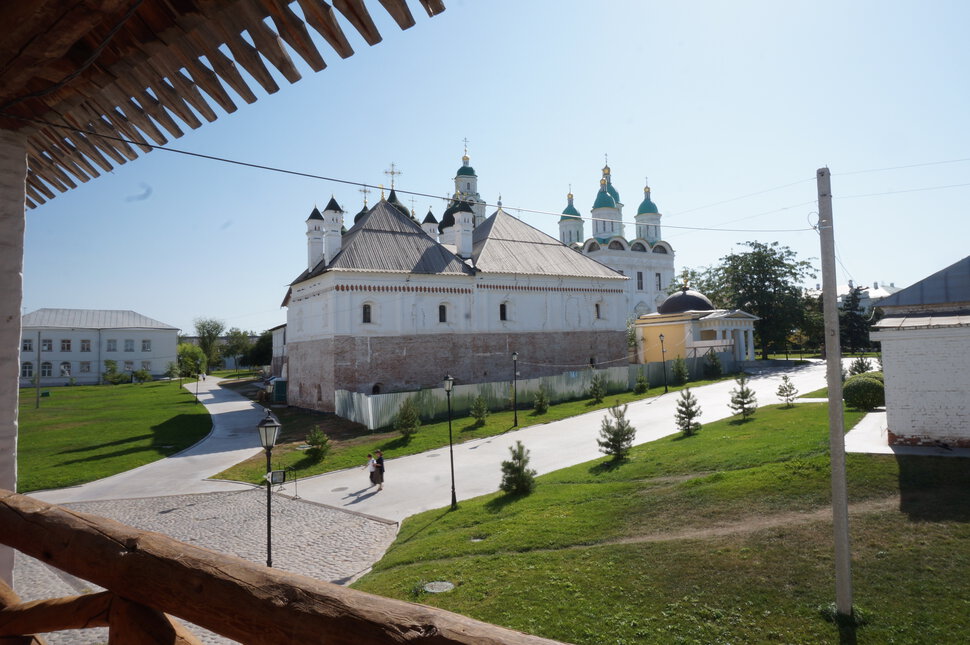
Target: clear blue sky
713, 101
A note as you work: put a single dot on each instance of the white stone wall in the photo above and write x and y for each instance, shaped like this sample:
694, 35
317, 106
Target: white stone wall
927, 384
650, 264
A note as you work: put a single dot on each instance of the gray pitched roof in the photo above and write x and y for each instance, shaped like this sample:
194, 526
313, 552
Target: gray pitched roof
92, 319
504, 244
387, 240
951, 285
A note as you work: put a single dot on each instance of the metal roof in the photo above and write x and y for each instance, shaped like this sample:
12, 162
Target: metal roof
951, 285
92, 319
504, 244
928, 320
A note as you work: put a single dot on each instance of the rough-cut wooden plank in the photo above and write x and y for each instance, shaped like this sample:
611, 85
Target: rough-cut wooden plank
112, 122
228, 595
134, 114
8, 597
75, 154
108, 143
356, 13
320, 16
65, 156
40, 164
292, 30
433, 7
224, 68
247, 56
33, 189
268, 43
400, 12
135, 624
57, 614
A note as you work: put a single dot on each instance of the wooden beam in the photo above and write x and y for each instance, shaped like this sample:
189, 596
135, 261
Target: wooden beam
134, 624
9, 598
356, 13
432, 7
292, 30
400, 12
226, 594
57, 614
266, 41
320, 16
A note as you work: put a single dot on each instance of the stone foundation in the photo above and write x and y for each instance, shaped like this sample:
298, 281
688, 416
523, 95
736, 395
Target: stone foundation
929, 442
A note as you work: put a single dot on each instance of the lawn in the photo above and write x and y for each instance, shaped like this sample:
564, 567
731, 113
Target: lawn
724, 537
83, 433
351, 442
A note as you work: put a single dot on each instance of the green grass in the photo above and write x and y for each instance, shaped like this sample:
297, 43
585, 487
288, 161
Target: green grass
724, 537
817, 394
351, 450
84, 433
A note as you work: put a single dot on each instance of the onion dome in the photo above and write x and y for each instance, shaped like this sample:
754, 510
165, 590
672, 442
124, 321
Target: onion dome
646, 206
603, 198
363, 211
314, 214
429, 218
465, 170
396, 203
685, 300
332, 205
570, 211
448, 218
609, 184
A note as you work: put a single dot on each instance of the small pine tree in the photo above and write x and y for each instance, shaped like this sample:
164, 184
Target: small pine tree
860, 365
541, 400
712, 365
517, 477
616, 434
688, 410
479, 410
680, 373
597, 391
642, 384
407, 420
142, 376
743, 399
319, 444
787, 391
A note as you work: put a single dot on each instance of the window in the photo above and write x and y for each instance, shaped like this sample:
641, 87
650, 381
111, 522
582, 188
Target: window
366, 313
593, 247
85, 346
27, 370
47, 345
28, 345
597, 311
657, 276
129, 366
616, 245
638, 247
65, 369
146, 365
65, 345
85, 367
442, 313
503, 312
129, 345
112, 345
660, 249
46, 369
146, 345
639, 280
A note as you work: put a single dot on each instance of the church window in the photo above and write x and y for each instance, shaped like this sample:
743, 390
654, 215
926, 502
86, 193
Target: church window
46, 369
639, 280
27, 370
47, 345
597, 312
657, 277
638, 247
65, 369
28, 345
442, 313
503, 312
366, 314
66, 345
594, 247
616, 245
660, 249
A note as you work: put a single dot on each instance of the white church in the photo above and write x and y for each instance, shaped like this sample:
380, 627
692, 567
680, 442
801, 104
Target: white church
392, 305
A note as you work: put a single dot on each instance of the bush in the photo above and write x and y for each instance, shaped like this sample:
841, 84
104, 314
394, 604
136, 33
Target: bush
680, 373
541, 400
407, 420
479, 410
879, 376
142, 376
319, 444
616, 434
864, 393
743, 400
712, 365
596, 389
687, 411
642, 384
860, 365
517, 477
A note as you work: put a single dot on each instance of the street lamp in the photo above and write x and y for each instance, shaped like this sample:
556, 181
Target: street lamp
269, 430
197, 379
515, 389
663, 359
449, 384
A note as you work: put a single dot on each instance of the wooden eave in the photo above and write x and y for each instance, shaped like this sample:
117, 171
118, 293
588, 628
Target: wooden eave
94, 83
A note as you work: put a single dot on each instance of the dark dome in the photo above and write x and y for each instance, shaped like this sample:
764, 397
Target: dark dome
685, 300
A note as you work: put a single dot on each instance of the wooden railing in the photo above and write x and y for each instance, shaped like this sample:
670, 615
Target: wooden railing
150, 577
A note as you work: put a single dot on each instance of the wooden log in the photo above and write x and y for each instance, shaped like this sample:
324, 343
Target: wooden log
320, 16
230, 596
133, 624
267, 42
56, 614
356, 13
9, 598
292, 30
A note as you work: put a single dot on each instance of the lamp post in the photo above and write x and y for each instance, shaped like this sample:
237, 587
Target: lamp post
198, 378
515, 389
269, 430
663, 359
450, 383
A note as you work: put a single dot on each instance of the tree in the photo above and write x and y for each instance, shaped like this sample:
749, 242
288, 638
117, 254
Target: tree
141, 376
787, 391
743, 399
541, 400
811, 328
191, 359
688, 410
319, 444
237, 345
853, 326
679, 372
712, 364
596, 389
407, 420
616, 434
642, 384
479, 410
860, 365
261, 352
517, 477
706, 280
111, 374
765, 281
208, 330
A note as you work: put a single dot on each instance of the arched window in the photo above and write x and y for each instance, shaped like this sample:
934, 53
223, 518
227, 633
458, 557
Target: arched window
366, 314
637, 246
660, 249
442, 313
593, 247
27, 370
376, 389
616, 245
65, 369
46, 369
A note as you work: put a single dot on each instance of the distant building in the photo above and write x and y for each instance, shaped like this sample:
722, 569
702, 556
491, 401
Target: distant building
925, 337
64, 346
868, 298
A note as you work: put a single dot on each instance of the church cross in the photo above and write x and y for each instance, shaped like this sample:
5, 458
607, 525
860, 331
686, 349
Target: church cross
392, 172
465, 141
365, 192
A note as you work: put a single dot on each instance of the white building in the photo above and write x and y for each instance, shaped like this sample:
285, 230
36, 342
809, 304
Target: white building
645, 258
65, 346
925, 339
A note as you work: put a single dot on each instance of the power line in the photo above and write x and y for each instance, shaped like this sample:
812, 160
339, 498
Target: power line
915, 165
907, 190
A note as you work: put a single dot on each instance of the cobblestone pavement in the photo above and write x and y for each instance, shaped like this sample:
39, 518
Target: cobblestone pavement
308, 538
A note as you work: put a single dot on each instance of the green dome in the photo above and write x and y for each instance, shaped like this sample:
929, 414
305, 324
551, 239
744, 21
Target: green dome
647, 206
466, 171
604, 200
612, 191
570, 212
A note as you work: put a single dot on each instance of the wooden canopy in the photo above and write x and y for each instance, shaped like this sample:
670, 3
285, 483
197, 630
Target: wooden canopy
82, 78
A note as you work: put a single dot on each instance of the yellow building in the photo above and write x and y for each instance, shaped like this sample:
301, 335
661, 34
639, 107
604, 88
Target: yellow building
686, 325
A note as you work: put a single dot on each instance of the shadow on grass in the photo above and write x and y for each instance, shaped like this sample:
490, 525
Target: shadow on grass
474, 425
424, 528
499, 503
607, 466
741, 422
933, 489
119, 442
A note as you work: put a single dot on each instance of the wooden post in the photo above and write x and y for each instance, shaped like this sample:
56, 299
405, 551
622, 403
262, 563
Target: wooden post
7, 598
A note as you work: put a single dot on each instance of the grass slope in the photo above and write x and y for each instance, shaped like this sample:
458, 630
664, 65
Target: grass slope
84, 433
720, 538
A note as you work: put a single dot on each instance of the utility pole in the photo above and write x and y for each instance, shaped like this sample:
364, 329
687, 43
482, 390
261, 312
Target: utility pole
833, 374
